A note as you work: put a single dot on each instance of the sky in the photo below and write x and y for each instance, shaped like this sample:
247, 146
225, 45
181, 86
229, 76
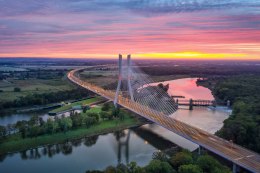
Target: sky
179, 29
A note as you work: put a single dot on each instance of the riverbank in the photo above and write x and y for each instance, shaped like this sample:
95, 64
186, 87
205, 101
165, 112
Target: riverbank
16, 143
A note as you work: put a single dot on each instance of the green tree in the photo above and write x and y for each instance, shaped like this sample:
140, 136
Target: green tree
160, 156
134, 168
121, 168
34, 120
76, 119
89, 121
22, 127
105, 107
104, 115
181, 158
51, 126
110, 169
65, 124
189, 169
157, 166
34, 131
115, 112
210, 165
93, 114
121, 115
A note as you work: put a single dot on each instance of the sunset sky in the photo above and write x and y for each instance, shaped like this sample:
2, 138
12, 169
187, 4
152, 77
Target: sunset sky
183, 29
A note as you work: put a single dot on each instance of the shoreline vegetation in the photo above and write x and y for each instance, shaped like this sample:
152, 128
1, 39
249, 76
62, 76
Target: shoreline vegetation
243, 91
91, 121
171, 162
16, 143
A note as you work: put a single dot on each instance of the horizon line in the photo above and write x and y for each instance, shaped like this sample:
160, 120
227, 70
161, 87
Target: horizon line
115, 58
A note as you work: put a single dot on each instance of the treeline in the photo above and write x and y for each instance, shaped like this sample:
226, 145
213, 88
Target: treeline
200, 70
34, 74
243, 126
45, 98
180, 162
36, 126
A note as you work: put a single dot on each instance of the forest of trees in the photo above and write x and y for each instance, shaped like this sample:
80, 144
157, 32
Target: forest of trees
45, 98
243, 126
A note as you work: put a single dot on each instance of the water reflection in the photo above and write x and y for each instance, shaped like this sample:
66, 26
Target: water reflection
123, 143
88, 142
188, 88
96, 152
154, 139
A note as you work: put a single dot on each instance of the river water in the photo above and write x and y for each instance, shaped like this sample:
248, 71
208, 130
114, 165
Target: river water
121, 147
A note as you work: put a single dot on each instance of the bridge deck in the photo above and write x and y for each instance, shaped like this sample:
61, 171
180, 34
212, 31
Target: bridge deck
237, 154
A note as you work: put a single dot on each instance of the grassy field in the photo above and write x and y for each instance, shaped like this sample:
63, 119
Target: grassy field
82, 102
96, 109
31, 86
16, 143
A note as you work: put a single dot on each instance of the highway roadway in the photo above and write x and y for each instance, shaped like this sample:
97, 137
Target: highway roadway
236, 154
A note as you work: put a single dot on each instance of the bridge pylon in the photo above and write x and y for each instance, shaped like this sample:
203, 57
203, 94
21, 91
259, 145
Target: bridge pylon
122, 77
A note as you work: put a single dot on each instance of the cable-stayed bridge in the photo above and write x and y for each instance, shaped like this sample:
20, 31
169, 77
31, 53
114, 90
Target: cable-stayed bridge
134, 92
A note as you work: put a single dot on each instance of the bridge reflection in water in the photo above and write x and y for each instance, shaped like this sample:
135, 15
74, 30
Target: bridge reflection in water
154, 105
155, 140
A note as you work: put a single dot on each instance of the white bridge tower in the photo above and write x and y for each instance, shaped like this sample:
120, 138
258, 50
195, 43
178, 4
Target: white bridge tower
121, 77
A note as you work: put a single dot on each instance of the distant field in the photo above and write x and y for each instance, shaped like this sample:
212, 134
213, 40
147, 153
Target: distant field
105, 78
50, 67
31, 86
99, 73
9, 69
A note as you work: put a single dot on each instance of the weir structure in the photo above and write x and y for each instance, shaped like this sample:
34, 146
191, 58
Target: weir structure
155, 105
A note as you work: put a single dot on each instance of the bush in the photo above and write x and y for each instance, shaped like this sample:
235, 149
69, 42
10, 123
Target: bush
181, 158
93, 114
89, 121
209, 164
189, 169
104, 115
157, 166
105, 107
16, 89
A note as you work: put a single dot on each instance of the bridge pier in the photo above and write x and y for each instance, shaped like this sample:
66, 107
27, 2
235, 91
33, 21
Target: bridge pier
235, 168
199, 150
214, 103
191, 105
228, 103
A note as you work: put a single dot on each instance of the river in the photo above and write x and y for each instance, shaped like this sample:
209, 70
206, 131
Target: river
129, 145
